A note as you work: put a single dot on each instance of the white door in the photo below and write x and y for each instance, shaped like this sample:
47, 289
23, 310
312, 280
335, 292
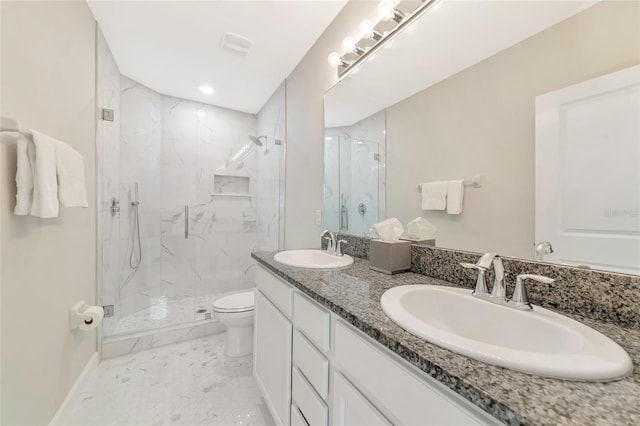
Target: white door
272, 357
350, 408
588, 172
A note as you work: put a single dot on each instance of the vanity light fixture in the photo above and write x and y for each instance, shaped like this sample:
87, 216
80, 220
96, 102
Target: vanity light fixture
367, 30
336, 60
207, 90
349, 46
387, 13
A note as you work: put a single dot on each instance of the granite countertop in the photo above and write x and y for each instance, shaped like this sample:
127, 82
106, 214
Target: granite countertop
512, 397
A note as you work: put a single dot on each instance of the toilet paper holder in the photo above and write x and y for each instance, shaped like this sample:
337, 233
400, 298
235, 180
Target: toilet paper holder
84, 316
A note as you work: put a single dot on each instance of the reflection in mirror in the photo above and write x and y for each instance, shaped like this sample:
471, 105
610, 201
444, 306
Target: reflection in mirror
462, 101
354, 175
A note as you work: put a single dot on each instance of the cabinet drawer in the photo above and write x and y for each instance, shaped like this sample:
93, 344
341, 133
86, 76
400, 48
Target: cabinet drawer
399, 394
276, 290
311, 406
312, 320
296, 417
311, 364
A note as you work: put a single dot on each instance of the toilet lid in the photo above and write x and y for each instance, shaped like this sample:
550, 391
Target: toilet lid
238, 302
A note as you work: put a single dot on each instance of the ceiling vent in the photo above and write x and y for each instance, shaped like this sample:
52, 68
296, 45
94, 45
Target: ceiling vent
235, 43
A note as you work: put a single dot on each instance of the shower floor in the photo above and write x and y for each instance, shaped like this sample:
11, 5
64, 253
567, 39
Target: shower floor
163, 312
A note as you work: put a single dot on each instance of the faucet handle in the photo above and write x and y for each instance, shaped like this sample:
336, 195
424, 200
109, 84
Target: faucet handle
339, 245
330, 246
481, 284
520, 295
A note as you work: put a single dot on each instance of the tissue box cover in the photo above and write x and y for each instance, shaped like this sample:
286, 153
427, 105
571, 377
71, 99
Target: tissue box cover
390, 257
419, 242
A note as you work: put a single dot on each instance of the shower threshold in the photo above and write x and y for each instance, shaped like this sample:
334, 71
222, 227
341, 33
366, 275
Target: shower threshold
166, 321
163, 312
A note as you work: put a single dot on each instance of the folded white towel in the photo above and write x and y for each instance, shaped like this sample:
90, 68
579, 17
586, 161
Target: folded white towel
70, 169
455, 195
24, 175
45, 181
434, 195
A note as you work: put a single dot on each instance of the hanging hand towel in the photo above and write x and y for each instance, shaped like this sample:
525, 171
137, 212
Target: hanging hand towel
24, 175
70, 169
434, 195
455, 195
45, 181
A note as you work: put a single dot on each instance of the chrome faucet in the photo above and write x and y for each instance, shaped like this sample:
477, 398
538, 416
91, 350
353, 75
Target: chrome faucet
334, 247
542, 248
331, 241
498, 294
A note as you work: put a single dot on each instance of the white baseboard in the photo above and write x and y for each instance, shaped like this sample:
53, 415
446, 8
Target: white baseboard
66, 404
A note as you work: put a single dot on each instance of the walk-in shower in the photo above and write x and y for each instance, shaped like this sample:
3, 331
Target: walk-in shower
189, 216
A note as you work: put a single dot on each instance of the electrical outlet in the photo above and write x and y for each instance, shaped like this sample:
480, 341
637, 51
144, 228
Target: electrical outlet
318, 217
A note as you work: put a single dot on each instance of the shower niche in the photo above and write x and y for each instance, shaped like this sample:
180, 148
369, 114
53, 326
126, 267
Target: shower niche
231, 184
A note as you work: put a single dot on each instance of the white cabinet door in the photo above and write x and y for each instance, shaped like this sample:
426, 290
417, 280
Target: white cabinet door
588, 172
272, 357
350, 408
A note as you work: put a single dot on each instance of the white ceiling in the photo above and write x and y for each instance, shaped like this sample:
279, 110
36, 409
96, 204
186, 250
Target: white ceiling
173, 47
454, 35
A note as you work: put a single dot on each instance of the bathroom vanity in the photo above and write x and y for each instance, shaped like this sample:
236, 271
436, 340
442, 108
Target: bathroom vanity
325, 353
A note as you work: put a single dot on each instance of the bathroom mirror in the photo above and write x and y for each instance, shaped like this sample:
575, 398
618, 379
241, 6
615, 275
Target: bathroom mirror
457, 93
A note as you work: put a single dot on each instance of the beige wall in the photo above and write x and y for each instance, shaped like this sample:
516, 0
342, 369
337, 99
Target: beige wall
305, 127
48, 83
481, 121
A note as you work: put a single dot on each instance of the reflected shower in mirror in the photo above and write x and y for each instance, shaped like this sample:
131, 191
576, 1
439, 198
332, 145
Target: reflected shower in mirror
354, 174
544, 107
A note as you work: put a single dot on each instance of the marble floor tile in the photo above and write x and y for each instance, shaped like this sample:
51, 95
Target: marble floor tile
189, 383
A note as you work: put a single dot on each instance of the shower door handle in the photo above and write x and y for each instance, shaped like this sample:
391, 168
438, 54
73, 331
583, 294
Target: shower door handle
186, 222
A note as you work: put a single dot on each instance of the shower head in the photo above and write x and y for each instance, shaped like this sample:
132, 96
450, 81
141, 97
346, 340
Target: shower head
257, 140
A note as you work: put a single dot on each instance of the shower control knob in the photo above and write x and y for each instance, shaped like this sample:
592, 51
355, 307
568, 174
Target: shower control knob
115, 206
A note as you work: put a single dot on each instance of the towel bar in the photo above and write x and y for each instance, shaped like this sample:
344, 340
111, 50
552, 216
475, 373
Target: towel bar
10, 125
474, 183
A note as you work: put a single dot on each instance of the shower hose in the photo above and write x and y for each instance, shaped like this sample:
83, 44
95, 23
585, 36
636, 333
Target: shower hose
136, 255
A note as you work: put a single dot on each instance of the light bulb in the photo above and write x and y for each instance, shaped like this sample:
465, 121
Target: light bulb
348, 44
334, 59
385, 10
365, 28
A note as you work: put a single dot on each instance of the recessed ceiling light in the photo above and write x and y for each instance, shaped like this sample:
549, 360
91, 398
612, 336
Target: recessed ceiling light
207, 90
201, 114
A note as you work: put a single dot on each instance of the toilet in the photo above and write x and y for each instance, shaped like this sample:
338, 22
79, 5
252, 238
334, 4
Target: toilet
235, 311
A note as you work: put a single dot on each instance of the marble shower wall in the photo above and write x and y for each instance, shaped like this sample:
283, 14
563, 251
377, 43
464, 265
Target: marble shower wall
359, 151
140, 154
200, 169
270, 174
108, 169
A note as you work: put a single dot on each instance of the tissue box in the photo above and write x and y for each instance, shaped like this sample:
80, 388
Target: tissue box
390, 257
418, 242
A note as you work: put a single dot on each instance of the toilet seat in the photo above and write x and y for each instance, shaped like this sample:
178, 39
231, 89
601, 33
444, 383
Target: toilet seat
238, 302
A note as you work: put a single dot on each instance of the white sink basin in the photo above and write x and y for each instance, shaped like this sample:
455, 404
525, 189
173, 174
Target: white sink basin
313, 259
539, 342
